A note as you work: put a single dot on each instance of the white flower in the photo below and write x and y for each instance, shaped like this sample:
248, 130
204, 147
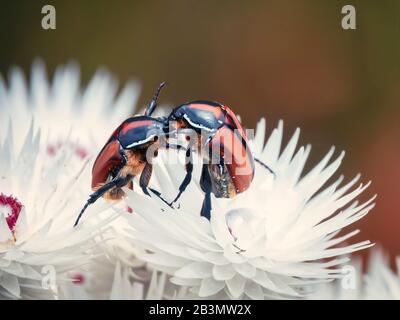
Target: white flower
96, 279
119, 275
380, 281
74, 125
270, 241
39, 197
123, 283
350, 287
66, 115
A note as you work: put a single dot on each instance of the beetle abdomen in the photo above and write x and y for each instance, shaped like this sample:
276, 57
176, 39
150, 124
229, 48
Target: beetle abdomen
228, 148
106, 162
222, 184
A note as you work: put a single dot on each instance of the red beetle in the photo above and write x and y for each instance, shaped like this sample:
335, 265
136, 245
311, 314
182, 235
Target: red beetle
228, 167
125, 156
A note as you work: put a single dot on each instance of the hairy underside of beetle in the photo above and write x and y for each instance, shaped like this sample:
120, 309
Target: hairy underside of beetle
221, 181
134, 167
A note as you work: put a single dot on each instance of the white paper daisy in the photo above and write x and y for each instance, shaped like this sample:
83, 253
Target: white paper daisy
380, 281
74, 123
96, 279
349, 287
67, 115
39, 197
270, 241
110, 276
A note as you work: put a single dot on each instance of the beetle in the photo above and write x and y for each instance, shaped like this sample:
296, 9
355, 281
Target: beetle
229, 165
125, 156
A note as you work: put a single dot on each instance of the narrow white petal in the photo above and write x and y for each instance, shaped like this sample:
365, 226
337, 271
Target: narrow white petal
236, 285
210, 286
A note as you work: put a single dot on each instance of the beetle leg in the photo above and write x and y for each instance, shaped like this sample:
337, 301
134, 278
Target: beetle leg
188, 177
206, 207
264, 165
158, 194
205, 183
116, 183
145, 180
145, 177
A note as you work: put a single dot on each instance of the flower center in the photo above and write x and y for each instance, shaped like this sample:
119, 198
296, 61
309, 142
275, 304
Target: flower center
10, 208
243, 224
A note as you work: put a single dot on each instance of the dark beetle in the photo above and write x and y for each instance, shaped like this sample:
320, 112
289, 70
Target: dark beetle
228, 167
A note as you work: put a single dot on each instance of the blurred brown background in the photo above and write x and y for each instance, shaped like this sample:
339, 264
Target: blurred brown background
286, 60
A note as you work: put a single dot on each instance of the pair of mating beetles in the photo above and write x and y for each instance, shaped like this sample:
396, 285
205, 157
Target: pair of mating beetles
125, 155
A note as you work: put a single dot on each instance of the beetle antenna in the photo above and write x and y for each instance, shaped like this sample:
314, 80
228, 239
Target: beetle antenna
153, 103
118, 183
264, 165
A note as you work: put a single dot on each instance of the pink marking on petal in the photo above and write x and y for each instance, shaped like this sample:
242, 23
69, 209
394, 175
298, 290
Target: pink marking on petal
81, 152
78, 279
129, 209
51, 150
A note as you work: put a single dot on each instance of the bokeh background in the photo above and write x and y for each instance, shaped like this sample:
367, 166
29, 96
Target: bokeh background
281, 59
